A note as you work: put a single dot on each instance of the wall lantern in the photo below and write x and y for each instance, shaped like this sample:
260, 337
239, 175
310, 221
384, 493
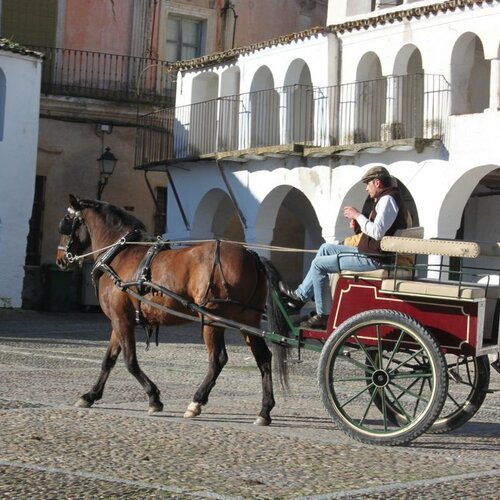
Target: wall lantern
107, 163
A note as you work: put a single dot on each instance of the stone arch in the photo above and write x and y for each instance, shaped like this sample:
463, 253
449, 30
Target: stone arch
470, 76
405, 95
370, 98
229, 104
216, 217
298, 122
356, 196
203, 114
264, 109
483, 184
287, 218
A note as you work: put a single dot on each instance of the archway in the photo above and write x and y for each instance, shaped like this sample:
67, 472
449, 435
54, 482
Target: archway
203, 114
216, 217
299, 103
470, 76
405, 95
290, 216
371, 90
229, 104
264, 107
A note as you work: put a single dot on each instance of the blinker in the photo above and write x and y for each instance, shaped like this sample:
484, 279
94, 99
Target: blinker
66, 226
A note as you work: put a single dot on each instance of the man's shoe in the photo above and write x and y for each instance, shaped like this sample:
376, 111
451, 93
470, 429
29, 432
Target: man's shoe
294, 301
317, 322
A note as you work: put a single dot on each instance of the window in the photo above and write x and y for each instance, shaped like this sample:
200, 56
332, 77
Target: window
183, 38
30, 22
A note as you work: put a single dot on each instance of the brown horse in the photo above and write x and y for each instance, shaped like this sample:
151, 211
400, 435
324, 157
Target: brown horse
224, 278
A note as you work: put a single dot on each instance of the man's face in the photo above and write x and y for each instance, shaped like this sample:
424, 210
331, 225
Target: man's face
373, 188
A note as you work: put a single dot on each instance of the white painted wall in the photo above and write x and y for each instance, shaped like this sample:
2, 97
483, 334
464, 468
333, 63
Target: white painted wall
18, 151
439, 180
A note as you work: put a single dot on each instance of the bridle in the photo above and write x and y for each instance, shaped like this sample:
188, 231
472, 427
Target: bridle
68, 226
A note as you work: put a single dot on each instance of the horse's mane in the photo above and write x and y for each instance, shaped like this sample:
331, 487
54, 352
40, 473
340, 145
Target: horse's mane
114, 216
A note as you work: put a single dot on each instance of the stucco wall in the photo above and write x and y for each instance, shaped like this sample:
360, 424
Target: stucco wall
18, 166
67, 157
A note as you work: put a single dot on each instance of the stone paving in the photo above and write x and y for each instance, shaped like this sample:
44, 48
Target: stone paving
51, 450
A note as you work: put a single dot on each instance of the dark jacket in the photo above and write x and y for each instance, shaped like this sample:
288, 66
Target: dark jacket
368, 245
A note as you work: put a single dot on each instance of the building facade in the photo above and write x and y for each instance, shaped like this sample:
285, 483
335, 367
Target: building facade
106, 63
267, 143
20, 74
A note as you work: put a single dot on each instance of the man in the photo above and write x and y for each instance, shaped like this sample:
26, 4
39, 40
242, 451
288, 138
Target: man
387, 216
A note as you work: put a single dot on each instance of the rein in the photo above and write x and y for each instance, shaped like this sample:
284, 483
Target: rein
257, 246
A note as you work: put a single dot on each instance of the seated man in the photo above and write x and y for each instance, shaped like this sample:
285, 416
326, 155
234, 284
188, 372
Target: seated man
387, 216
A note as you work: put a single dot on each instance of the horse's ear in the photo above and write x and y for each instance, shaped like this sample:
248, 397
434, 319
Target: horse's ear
74, 202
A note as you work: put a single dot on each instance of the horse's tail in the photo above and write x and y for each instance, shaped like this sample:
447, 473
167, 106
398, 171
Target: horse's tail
276, 322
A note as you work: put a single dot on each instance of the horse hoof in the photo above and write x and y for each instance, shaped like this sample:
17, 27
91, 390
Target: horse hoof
262, 421
83, 403
156, 408
193, 410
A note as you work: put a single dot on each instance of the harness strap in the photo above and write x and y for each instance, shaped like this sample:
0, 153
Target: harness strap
143, 275
102, 262
216, 263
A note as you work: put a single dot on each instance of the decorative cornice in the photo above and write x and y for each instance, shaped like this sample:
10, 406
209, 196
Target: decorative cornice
9, 46
348, 26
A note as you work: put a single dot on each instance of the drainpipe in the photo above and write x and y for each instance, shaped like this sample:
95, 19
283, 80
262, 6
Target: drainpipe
228, 5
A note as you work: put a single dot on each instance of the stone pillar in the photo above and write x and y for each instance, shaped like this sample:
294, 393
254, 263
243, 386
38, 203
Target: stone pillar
245, 122
286, 116
393, 128
495, 85
347, 113
325, 117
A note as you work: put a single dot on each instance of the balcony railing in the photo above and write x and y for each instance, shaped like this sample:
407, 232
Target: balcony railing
383, 110
96, 75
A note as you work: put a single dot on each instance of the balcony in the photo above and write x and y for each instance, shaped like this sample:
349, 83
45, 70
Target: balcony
111, 77
396, 112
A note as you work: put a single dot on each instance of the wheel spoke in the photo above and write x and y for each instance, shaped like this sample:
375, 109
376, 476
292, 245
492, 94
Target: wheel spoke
408, 393
395, 350
413, 356
374, 394
366, 351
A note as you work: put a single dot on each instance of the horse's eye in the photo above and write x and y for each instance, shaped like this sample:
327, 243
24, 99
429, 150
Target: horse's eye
65, 226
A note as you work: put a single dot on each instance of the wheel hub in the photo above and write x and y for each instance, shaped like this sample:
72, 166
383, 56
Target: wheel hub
380, 378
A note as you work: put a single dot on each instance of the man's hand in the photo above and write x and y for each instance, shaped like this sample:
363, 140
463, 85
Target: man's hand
351, 212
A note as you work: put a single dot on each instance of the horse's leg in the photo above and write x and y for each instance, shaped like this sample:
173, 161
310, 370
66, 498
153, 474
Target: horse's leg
112, 352
263, 358
217, 359
127, 329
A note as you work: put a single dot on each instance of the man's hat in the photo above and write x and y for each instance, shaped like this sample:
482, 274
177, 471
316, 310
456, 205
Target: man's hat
377, 172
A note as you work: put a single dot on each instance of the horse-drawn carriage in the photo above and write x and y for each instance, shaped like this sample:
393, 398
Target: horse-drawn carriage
406, 350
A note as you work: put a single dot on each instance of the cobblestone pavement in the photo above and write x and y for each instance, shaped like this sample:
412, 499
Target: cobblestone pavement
51, 450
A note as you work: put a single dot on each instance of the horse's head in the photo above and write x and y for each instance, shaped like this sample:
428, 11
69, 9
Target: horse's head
75, 237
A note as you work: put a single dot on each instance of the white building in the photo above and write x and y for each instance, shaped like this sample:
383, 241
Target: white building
20, 74
268, 143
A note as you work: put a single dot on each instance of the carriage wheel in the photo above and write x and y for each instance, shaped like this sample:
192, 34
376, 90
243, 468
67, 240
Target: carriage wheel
468, 382
387, 355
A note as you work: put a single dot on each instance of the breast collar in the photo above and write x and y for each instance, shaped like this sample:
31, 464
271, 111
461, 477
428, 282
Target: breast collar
102, 263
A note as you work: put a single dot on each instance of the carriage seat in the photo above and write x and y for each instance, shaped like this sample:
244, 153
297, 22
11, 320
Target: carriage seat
409, 234
434, 288
382, 273
440, 288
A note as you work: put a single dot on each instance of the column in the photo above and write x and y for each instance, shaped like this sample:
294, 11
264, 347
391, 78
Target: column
495, 85
245, 122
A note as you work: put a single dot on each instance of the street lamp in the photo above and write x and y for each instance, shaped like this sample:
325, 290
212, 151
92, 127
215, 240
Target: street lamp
107, 163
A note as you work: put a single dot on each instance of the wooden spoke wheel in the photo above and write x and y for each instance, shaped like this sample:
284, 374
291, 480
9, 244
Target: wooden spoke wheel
379, 364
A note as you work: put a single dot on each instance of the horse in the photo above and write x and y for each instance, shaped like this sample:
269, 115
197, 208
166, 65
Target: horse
213, 279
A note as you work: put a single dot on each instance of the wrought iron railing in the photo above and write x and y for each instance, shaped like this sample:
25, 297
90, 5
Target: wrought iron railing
97, 75
387, 109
